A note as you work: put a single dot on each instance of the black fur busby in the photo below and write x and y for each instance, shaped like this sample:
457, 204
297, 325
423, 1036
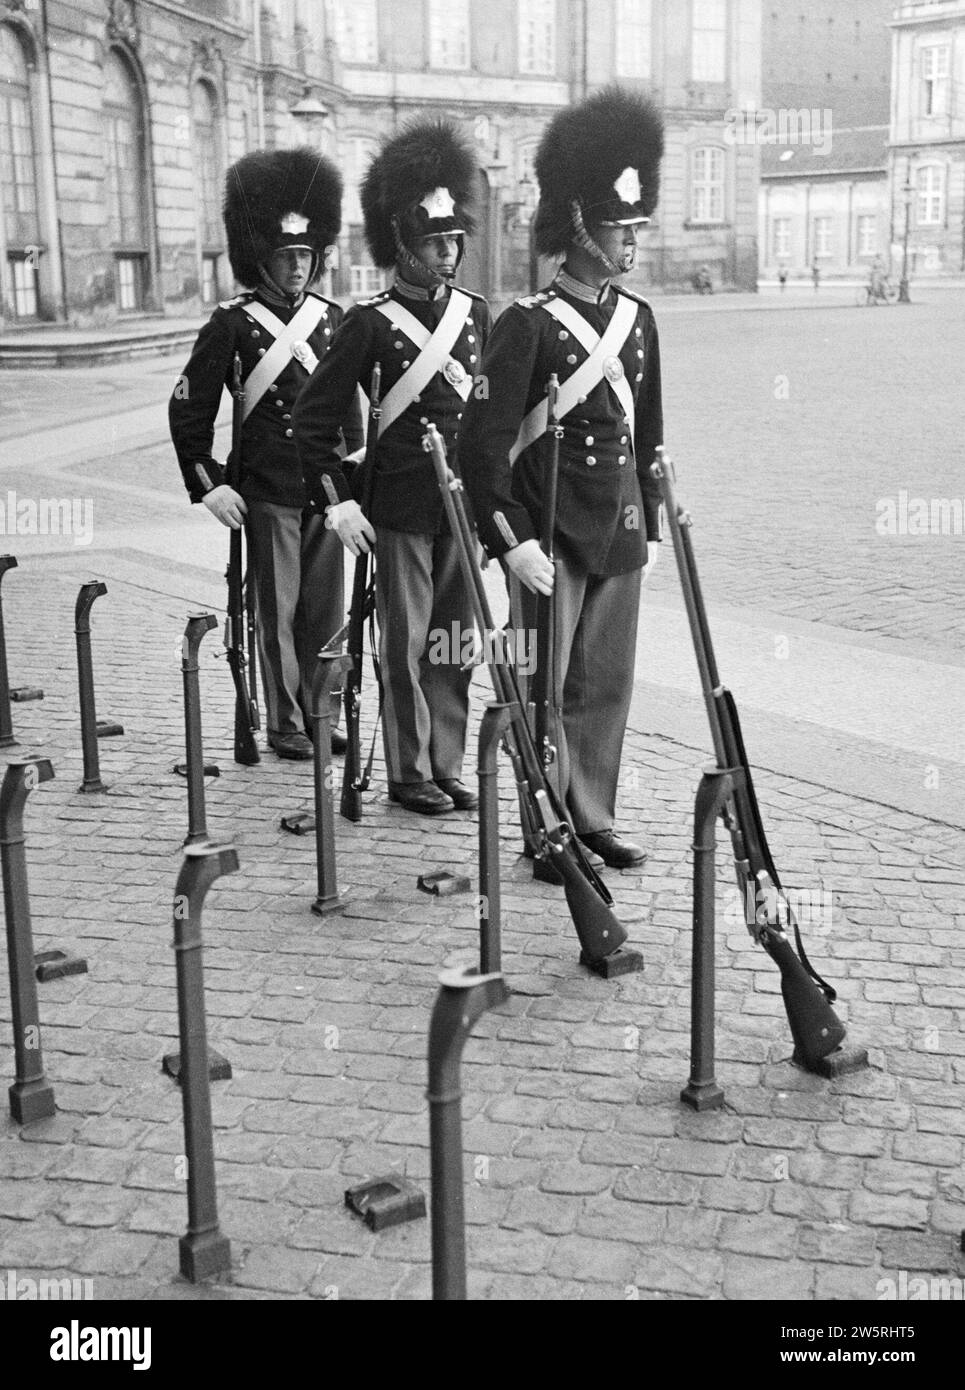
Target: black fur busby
269, 196
427, 158
583, 157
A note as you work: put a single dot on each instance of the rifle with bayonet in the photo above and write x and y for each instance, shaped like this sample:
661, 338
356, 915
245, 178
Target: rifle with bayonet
546, 701
589, 903
816, 1029
247, 720
355, 778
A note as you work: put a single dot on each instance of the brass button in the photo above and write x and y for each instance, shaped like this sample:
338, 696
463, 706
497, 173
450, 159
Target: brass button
638, 331
458, 414
405, 363
590, 460
288, 434
255, 333
471, 338
639, 352
563, 335
622, 460
623, 439
589, 439
286, 417
571, 357
424, 420
400, 346
472, 357
581, 400
279, 401
261, 352
639, 376
327, 332
274, 387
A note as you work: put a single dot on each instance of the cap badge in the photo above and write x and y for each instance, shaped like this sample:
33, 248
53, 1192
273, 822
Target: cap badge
613, 369
438, 203
294, 224
627, 186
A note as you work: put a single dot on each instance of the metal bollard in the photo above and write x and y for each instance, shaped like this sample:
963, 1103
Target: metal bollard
463, 998
494, 721
90, 730
328, 674
702, 1091
7, 740
203, 1250
31, 1095
198, 624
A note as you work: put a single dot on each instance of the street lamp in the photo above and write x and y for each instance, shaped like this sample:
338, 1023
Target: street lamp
903, 297
309, 116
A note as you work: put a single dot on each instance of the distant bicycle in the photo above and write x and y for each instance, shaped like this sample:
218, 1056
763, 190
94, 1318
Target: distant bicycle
884, 292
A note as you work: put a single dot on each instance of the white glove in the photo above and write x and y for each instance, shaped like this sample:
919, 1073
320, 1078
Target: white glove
653, 551
531, 566
227, 505
348, 522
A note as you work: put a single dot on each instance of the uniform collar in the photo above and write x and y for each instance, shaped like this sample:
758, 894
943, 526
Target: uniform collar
588, 294
408, 291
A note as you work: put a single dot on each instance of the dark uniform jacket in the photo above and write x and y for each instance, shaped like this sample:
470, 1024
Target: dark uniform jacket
405, 494
607, 503
270, 468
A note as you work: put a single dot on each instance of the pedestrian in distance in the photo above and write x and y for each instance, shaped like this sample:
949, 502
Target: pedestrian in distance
427, 335
816, 274
598, 170
282, 211
782, 277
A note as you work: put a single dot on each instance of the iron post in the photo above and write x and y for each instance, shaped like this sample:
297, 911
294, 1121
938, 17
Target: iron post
329, 671
495, 721
198, 624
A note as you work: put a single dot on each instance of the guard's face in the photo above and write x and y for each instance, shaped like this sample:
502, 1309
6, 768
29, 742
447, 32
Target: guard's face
290, 268
439, 254
620, 244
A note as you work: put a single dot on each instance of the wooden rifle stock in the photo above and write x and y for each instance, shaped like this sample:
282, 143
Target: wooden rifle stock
354, 780
816, 1029
589, 903
246, 711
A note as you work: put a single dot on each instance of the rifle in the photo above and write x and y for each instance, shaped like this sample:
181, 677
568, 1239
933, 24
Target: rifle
355, 780
816, 1029
545, 693
589, 903
246, 710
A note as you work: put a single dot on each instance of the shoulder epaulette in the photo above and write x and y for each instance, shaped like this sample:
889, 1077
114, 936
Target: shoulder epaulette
245, 298
329, 303
471, 293
533, 301
370, 303
631, 294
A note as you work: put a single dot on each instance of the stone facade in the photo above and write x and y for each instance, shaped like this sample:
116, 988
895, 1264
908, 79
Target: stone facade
129, 111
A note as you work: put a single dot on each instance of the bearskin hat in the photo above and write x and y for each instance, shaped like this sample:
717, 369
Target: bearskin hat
421, 183
277, 198
603, 154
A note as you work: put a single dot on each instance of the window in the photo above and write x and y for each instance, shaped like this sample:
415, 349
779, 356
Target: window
23, 275
822, 236
357, 30
449, 33
934, 81
207, 163
129, 288
633, 38
707, 193
782, 236
18, 177
867, 235
708, 61
930, 209
125, 163
537, 37
365, 280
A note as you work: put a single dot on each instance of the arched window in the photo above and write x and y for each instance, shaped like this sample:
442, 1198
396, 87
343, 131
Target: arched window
126, 174
206, 134
707, 185
18, 175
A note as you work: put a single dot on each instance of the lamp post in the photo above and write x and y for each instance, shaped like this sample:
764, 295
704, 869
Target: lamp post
903, 296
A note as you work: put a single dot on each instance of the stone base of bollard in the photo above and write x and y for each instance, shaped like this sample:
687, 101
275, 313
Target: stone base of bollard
219, 1068
705, 1095
31, 1100
621, 962
204, 1255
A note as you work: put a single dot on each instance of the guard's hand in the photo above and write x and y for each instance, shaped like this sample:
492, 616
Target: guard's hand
348, 522
531, 567
653, 550
227, 505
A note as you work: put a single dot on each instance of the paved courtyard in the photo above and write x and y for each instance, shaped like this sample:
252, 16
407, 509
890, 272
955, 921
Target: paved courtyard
585, 1177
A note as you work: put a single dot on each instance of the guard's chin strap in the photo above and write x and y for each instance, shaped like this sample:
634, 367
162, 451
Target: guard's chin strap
583, 239
407, 260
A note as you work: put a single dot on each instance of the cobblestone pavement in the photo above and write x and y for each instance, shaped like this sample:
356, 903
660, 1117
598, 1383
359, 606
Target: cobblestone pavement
585, 1177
